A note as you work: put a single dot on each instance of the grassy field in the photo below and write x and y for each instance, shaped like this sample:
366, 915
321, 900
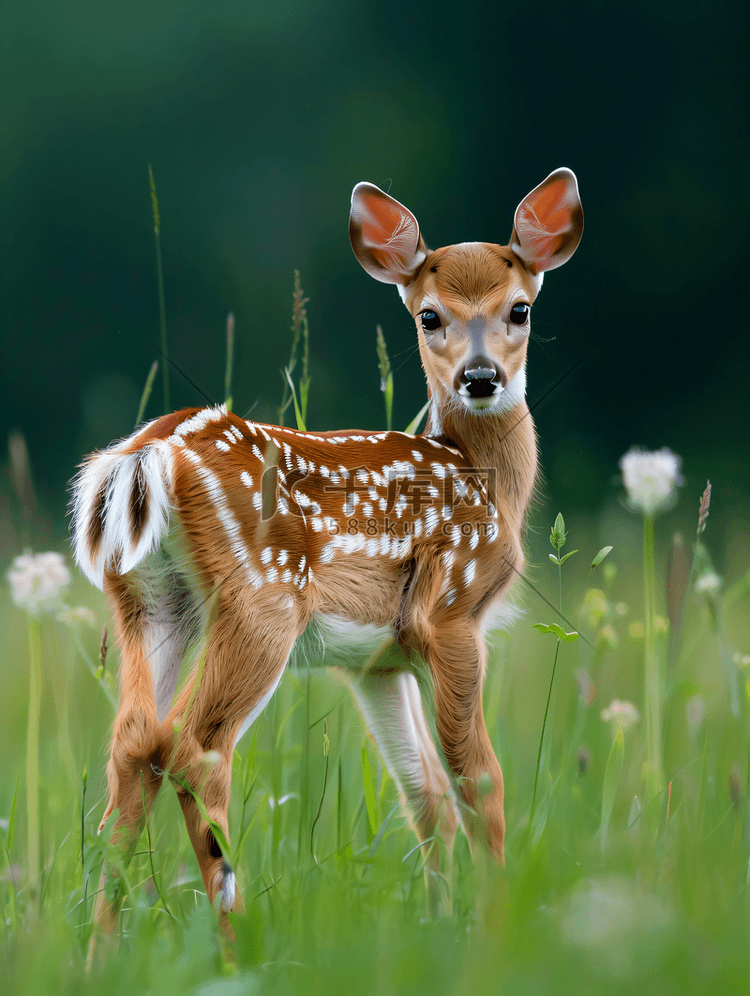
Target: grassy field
622, 878
626, 777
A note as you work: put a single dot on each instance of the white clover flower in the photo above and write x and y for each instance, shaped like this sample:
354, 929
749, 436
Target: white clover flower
709, 582
36, 580
622, 714
650, 479
73, 617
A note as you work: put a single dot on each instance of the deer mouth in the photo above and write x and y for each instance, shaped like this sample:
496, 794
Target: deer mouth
482, 403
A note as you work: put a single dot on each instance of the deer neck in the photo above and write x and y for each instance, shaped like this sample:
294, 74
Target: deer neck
503, 443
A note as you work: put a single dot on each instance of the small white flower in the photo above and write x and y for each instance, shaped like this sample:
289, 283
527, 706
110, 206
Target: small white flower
36, 580
622, 714
73, 617
709, 582
650, 479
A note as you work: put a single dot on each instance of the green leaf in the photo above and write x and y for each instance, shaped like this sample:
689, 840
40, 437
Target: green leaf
297, 412
557, 631
412, 427
304, 390
605, 551
381, 831
554, 559
568, 555
611, 778
558, 535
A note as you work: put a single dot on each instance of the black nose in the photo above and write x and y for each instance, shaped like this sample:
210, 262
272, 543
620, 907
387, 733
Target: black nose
481, 377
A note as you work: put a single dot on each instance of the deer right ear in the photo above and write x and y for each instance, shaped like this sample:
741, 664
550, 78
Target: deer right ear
548, 222
385, 236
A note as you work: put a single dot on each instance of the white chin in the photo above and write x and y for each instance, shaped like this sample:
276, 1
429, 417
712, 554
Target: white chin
483, 405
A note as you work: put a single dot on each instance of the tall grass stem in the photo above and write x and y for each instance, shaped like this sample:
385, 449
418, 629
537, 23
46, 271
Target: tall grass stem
32, 755
147, 387
230, 362
652, 682
160, 283
541, 738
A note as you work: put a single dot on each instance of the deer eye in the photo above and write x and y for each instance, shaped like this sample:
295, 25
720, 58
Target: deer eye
430, 320
519, 314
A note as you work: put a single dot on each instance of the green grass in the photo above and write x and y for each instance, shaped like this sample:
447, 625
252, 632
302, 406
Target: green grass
600, 891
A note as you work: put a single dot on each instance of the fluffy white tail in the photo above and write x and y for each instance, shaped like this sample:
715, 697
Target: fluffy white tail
121, 503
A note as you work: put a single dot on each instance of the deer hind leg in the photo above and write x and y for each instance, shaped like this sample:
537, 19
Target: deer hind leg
391, 704
244, 661
156, 617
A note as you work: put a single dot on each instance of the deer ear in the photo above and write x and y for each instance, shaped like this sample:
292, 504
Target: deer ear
385, 236
548, 222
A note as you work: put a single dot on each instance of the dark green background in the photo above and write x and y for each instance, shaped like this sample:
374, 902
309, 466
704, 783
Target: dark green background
259, 118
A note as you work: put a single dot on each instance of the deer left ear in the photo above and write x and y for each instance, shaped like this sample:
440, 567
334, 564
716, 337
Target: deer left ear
548, 223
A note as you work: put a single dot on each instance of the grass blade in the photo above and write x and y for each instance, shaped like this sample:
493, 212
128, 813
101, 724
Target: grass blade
368, 781
146, 391
160, 282
611, 778
230, 362
412, 427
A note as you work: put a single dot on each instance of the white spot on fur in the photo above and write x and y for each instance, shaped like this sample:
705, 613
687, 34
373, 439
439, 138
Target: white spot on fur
469, 572
225, 515
246, 479
197, 422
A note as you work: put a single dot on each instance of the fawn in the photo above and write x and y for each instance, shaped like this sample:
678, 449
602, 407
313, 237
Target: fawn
227, 542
